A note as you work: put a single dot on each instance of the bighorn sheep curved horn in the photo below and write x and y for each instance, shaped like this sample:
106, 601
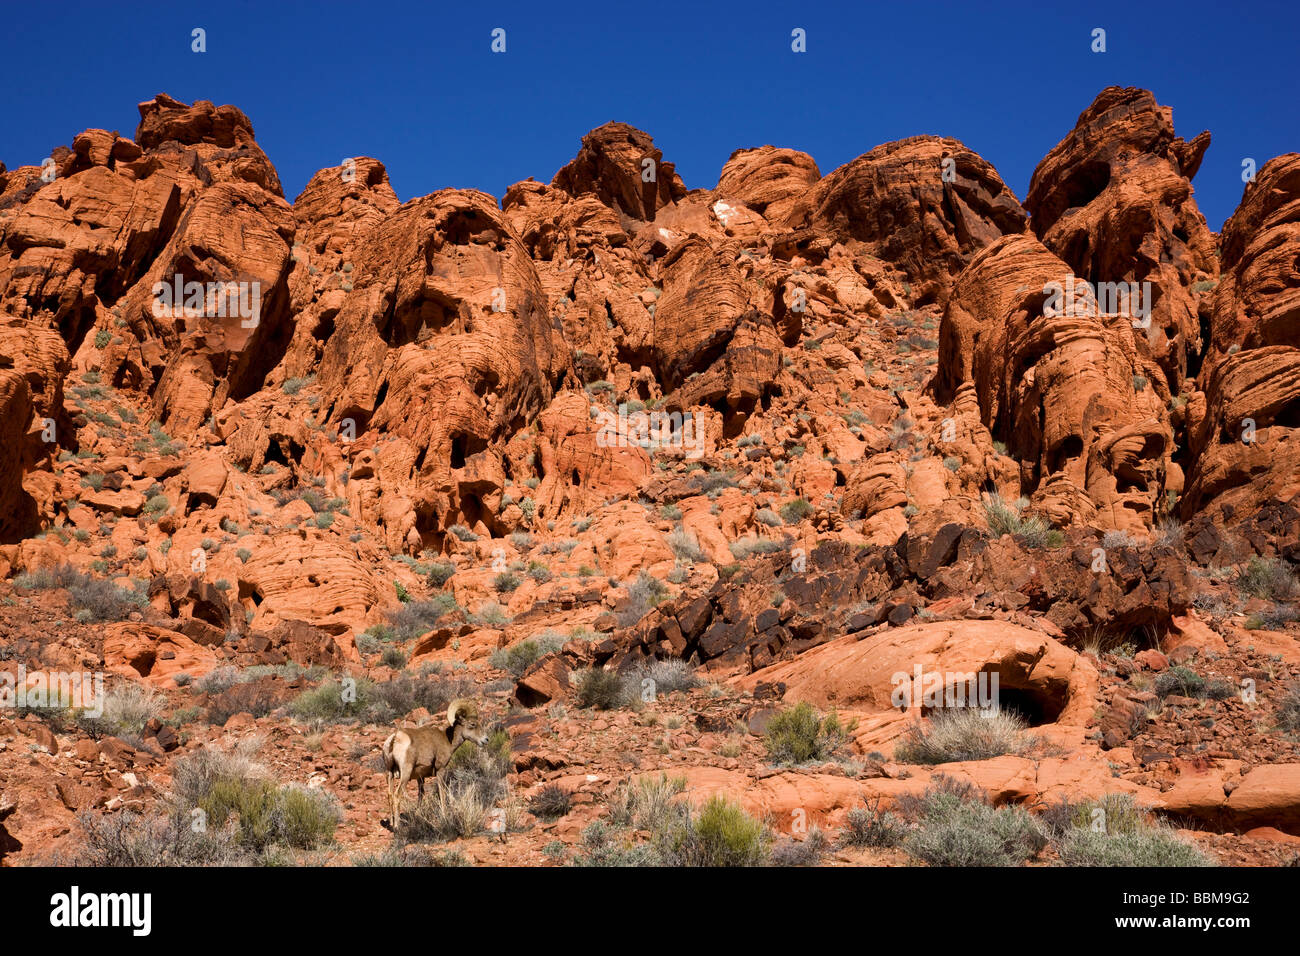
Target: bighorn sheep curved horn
414, 753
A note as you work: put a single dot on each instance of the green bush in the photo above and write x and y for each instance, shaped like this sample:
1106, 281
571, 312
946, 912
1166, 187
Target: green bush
601, 689
269, 815
1268, 578
722, 834
519, 657
440, 573
329, 702
792, 512
1006, 517
799, 734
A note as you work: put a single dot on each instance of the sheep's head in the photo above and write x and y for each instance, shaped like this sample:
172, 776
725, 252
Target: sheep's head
463, 720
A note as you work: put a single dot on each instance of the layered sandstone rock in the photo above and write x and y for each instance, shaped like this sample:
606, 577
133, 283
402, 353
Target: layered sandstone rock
1069, 389
1114, 201
924, 205
1247, 426
623, 168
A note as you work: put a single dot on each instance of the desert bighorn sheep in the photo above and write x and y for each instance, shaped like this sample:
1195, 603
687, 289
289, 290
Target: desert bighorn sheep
420, 752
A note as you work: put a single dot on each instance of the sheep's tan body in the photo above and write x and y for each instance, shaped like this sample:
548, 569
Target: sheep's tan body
415, 753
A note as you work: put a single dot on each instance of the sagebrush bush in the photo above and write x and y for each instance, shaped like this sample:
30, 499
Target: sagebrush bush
792, 512
267, 815
415, 618
799, 734
646, 802
956, 829
685, 546
668, 675
963, 733
127, 708
1151, 847
645, 592
721, 834
1288, 712
550, 802
1268, 578
805, 852
333, 701
517, 658
1004, 517
129, 839
440, 573
601, 689
743, 548
869, 826
1114, 831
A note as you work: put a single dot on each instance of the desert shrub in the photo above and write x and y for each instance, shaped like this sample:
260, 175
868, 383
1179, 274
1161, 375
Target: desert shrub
550, 802
668, 676
505, 582
440, 573
1005, 517
334, 702
956, 829
963, 733
101, 599
292, 386
1268, 578
268, 815
414, 618
129, 839
766, 516
1288, 711
869, 826
671, 512
1113, 831
410, 855
600, 849
247, 696
645, 592
743, 548
393, 657
127, 708
195, 773
218, 679
685, 546
798, 735
519, 657
1156, 846
721, 834
1273, 618
805, 852
462, 532
601, 689
1179, 680
646, 802
493, 615
388, 700
792, 512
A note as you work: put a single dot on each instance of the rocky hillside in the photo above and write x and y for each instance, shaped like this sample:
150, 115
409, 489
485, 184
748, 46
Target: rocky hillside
695, 493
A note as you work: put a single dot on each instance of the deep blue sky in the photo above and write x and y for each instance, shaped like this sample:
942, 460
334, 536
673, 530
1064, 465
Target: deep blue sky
415, 85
